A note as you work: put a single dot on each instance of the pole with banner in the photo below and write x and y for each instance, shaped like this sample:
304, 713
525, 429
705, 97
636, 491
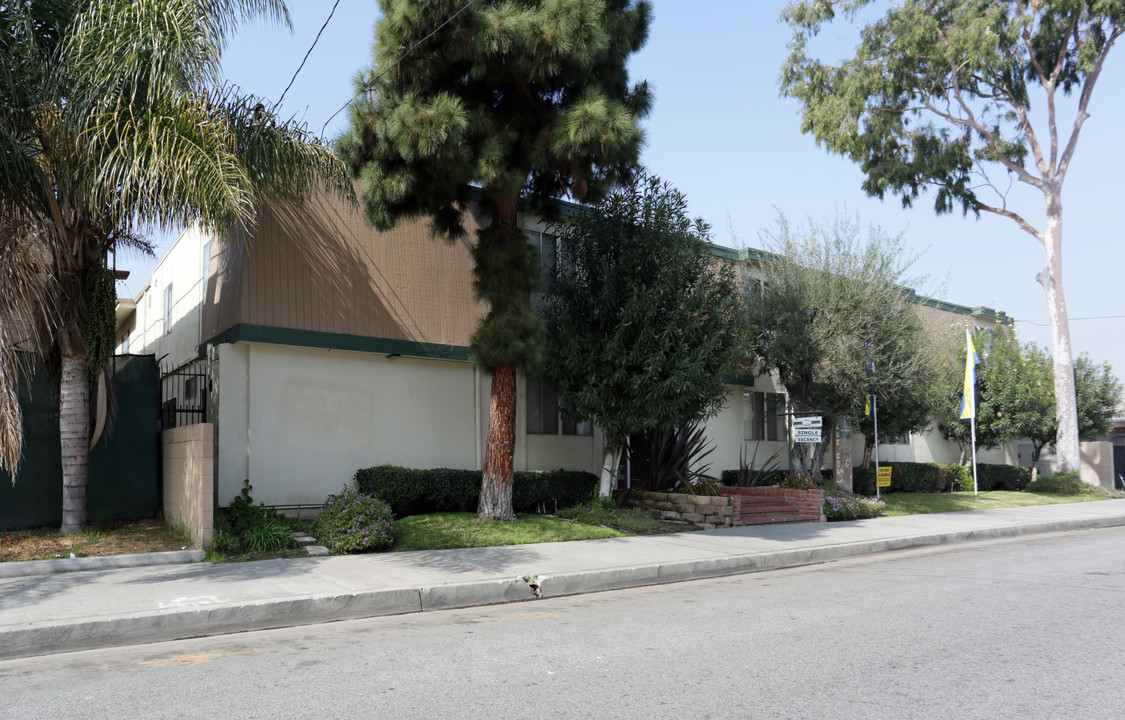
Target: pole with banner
875, 417
969, 398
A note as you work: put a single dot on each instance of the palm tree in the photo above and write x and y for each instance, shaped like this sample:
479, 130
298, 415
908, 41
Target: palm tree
114, 123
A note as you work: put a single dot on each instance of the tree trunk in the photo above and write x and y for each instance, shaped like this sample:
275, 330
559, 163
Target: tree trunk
496, 482
611, 460
74, 428
1066, 402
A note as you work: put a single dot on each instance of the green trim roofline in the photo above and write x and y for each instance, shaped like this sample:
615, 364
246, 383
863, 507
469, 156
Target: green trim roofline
760, 256
571, 209
335, 341
339, 341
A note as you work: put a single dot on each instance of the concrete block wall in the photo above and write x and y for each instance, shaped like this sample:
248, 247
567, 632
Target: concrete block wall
189, 479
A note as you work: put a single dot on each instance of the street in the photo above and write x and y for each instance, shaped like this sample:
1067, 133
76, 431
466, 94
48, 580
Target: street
1026, 628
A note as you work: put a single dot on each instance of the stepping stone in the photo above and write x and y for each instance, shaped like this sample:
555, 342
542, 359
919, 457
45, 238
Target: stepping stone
317, 550
304, 540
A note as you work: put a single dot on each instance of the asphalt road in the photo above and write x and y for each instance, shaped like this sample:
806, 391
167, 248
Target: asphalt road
1029, 628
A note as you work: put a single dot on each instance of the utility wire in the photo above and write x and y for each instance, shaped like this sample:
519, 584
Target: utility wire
1092, 317
396, 62
314, 42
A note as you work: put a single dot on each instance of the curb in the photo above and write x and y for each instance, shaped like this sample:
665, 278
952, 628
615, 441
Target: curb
102, 562
159, 626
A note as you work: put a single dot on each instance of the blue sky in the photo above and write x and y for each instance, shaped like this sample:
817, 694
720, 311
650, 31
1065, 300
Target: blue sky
720, 132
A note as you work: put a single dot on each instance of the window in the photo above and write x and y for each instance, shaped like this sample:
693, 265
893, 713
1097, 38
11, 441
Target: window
546, 245
763, 416
167, 309
544, 416
206, 262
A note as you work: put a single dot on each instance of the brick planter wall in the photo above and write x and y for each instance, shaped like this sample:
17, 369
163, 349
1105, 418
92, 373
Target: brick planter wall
735, 507
767, 505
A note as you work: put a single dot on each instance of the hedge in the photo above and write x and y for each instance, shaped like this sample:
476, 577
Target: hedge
998, 477
910, 477
410, 491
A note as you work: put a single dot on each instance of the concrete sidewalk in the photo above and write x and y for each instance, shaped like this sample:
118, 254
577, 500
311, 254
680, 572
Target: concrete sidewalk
101, 608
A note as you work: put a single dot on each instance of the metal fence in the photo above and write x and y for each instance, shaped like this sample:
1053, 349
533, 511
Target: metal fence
183, 395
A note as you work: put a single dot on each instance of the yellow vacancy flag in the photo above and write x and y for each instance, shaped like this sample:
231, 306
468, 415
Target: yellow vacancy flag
969, 392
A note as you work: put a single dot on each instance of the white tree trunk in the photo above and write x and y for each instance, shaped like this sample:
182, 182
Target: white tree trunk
611, 458
1066, 402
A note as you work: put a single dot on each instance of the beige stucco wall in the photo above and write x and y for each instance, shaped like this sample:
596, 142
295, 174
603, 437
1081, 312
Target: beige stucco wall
1097, 464
298, 422
189, 470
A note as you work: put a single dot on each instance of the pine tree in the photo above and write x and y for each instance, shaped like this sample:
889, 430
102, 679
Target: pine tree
511, 99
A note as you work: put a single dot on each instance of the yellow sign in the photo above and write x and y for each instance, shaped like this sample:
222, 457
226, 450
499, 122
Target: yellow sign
884, 477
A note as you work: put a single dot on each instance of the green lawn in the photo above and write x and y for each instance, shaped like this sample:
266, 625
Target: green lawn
462, 530
919, 503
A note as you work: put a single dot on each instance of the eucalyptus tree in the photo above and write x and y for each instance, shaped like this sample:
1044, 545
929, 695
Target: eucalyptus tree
115, 122
939, 94
644, 323
511, 100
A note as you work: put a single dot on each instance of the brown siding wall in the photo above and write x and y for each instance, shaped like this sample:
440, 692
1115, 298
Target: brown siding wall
318, 265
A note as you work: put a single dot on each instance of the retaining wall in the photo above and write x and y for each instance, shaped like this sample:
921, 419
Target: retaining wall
734, 507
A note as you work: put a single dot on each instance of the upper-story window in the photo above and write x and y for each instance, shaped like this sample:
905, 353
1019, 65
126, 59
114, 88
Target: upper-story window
546, 245
205, 261
167, 316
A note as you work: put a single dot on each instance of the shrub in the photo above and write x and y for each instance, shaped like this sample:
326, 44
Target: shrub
998, 477
410, 492
910, 477
549, 489
246, 527
1066, 483
839, 504
270, 534
354, 523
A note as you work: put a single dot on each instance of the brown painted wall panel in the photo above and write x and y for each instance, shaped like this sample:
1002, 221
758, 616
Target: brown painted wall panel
318, 265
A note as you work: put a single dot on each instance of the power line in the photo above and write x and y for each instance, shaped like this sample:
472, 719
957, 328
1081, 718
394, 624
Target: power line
396, 62
1092, 317
314, 42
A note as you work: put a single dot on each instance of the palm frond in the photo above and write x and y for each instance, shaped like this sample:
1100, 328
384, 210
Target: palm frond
28, 256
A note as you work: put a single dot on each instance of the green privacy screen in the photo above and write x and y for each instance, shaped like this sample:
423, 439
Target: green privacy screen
124, 482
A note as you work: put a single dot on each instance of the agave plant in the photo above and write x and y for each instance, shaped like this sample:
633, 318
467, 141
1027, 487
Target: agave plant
676, 460
752, 475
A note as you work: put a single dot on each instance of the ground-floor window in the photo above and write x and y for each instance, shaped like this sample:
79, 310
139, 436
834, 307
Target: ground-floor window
545, 417
763, 415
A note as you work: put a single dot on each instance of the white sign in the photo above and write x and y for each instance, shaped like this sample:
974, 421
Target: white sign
806, 435
810, 421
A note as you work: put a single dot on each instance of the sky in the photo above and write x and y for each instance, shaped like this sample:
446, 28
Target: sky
721, 133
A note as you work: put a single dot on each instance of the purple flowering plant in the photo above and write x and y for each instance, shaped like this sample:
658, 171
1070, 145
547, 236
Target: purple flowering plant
354, 523
839, 504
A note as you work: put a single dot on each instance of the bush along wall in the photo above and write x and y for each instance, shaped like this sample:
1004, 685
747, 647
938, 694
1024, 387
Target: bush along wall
998, 477
411, 491
912, 477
